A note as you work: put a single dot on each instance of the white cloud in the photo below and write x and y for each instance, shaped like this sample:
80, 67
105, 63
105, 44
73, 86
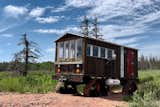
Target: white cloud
4, 29
109, 9
37, 12
15, 11
7, 35
60, 9
122, 19
131, 41
49, 19
57, 31
79, 3
112, 31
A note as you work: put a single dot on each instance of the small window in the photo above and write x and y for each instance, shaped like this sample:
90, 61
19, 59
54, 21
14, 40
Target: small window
102, 52
72, 49
88, 51
95, 51
60, 49
106, 53
113, 55
79, 48
110, 54
66, 49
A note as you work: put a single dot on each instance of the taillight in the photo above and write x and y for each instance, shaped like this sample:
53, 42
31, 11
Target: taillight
78, 70
58, 70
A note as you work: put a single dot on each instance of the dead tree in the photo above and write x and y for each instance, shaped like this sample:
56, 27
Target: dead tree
16, 64
95, 30
85, 26
28, 54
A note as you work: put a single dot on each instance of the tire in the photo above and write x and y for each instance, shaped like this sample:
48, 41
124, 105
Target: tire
129, 88
59, 87
95, 88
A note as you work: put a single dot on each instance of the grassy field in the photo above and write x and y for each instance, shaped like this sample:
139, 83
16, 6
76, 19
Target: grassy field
148, 93
35, 82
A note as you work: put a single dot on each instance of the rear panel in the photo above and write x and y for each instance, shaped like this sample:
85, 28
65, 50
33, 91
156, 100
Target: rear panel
131, 69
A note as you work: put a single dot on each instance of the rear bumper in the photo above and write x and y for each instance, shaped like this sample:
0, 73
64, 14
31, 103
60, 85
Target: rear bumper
68, 78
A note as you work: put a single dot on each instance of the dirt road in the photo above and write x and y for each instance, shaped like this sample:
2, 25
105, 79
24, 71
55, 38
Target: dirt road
59, 100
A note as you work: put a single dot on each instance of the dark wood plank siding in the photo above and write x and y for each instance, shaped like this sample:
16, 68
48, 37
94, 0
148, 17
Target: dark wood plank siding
99, 66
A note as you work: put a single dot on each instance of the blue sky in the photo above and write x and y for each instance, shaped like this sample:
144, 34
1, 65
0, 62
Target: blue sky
134, 23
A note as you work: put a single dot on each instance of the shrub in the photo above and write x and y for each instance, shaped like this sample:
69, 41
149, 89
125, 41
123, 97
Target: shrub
148, 93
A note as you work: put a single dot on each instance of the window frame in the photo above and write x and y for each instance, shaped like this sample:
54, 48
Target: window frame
88, 46
58, 50
101, 52
76, 45
97, 51
72, 42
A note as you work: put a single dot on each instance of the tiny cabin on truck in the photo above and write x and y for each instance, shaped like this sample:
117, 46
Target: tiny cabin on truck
95, 63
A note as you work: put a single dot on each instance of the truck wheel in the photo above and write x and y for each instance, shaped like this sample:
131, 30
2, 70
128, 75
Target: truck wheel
87, 88
129, 88
59, 87
92, 89
74, 89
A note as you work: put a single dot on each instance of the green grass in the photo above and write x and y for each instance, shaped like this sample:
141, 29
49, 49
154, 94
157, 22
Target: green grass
35, 82
148, 93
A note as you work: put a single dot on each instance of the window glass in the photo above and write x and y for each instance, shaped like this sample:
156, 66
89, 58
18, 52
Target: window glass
110, 54
60, 49
66, 49
72, 49
113, 55
95, 51
88, 50
79, 48
102, 52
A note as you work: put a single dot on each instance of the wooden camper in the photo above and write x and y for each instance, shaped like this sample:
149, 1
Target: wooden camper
95, 63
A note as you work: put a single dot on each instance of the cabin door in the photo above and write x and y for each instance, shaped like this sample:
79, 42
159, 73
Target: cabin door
130, 63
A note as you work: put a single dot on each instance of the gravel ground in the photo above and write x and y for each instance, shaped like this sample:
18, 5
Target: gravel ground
59, 100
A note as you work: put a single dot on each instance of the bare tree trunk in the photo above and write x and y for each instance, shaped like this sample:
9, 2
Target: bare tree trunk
26, 58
